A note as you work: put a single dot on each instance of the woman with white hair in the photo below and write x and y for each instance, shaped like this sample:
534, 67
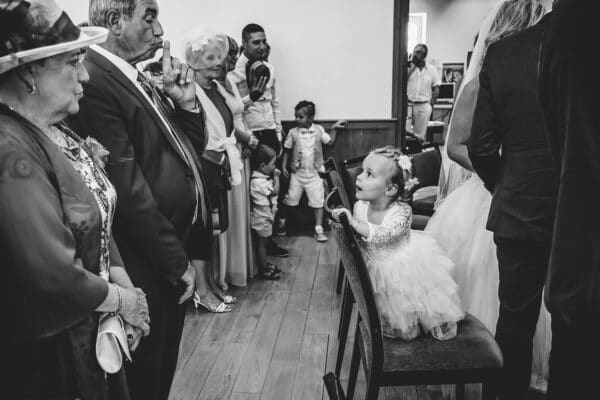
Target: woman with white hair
207, 53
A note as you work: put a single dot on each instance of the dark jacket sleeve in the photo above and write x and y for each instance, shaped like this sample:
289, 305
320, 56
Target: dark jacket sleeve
44, 284
100, 117
193, 126
484, 141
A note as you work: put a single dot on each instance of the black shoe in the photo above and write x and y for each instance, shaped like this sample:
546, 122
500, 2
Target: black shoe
276, 251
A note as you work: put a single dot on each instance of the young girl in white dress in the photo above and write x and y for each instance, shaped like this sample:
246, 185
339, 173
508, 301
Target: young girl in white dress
411, 275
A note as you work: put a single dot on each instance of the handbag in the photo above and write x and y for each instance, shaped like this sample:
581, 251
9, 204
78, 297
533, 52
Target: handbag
217, 171
111, 343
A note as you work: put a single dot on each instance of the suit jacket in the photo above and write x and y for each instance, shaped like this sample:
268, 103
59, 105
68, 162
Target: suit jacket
569, 91
155, 186
49, 258
508, 145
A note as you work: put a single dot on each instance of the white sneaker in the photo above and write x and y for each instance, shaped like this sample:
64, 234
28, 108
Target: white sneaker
319, 234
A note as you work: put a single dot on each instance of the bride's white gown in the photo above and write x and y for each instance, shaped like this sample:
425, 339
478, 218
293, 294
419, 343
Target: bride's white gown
458, 226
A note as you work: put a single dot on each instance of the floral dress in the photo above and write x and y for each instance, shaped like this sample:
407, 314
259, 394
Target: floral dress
411, 277
85, 156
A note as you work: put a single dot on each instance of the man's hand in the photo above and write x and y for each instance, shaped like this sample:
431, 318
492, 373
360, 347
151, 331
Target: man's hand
285, 173
178, 80
134, 308
258, 88
189, 281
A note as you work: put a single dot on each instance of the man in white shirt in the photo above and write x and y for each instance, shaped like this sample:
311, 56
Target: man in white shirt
261, 111
422, 90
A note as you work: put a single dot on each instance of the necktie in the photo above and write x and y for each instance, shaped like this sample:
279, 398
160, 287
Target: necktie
177, 136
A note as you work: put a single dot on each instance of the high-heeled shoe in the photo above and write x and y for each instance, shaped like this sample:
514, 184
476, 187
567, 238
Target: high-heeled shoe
209, 306
226, 298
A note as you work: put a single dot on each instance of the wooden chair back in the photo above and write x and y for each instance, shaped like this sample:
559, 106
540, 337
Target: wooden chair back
358, 278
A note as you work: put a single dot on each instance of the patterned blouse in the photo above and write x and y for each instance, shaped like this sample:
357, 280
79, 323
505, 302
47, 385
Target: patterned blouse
81, 155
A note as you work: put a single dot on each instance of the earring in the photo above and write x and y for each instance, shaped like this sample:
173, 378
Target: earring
31, 88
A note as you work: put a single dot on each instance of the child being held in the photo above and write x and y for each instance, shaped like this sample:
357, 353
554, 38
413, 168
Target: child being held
414, 290
264, 186
304, 157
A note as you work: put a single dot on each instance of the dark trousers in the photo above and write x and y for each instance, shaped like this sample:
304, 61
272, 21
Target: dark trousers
522, 266
151, 374
573, 360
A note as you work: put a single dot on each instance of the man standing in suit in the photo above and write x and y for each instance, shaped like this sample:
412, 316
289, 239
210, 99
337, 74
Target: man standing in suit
509, 151
569, 94
160, 222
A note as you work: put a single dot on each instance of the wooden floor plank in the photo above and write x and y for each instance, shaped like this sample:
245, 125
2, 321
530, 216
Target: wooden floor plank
253, 369
280, 379
192, 378
309, 376
319, 312
244, 396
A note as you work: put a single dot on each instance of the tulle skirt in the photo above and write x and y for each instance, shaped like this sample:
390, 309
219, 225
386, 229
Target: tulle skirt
458, 226
414, 290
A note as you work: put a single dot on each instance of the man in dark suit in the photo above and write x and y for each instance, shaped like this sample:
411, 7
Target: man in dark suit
160, 222
569, 91
509, 151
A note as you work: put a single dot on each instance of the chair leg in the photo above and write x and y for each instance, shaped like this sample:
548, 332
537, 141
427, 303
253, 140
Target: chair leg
354, 364
372, 391
345, 317
340, 278
489, 390
460, 391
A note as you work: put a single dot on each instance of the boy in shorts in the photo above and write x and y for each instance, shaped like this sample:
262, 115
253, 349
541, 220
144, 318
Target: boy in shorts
304, 157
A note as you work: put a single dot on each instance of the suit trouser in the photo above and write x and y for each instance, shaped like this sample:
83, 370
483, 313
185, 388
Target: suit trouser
421, 114
151, 374
573, 359
523, 266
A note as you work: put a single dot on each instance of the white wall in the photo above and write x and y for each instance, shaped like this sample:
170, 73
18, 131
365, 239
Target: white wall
452, 26
337, 53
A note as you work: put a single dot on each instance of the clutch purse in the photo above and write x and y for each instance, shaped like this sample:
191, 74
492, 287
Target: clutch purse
111, 343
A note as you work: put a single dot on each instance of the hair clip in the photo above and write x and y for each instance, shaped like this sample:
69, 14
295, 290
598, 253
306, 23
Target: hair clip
404, 162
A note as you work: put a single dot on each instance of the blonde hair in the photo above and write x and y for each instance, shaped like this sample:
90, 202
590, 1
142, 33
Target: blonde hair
514, 16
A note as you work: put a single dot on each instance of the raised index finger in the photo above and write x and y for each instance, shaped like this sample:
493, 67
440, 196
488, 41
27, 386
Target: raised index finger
166, 57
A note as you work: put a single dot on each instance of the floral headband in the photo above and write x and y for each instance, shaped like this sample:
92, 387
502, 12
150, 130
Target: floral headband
405, 165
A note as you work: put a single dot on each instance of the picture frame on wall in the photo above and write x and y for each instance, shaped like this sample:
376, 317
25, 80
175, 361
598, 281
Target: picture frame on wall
453, 73
417, 29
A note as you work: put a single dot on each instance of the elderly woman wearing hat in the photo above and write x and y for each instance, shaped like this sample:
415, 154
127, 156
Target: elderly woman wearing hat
61, 269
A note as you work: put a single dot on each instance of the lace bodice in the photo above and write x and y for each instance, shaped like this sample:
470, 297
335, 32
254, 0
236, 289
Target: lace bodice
393, 231
95, 179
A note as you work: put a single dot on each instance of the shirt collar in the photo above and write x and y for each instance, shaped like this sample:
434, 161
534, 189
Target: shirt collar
258, 174
129, 70
307, 130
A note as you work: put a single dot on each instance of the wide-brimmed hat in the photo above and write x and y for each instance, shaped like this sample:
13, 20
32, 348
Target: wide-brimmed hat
32, 30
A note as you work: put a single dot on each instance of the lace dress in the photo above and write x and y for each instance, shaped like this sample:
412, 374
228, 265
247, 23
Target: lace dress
411, 277
79, 153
